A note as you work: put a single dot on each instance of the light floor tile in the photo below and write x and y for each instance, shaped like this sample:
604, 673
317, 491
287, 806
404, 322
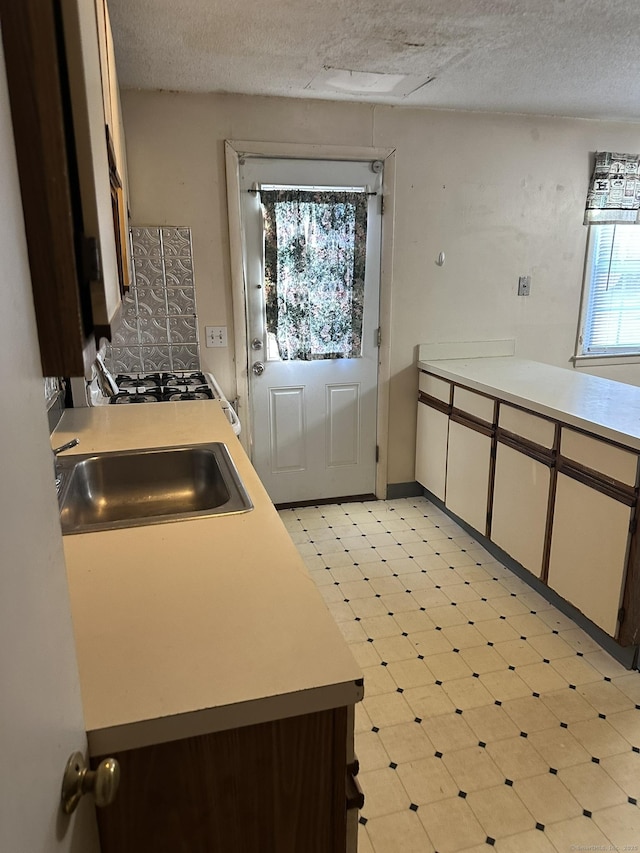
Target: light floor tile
400, 602
528, 625
386, 585
451, 825
406, 742
427, 780
605, 697
340, 611
428, 701
362, 721
377, 681
547, 798
576, 670
445, 616
530, 714
466, 693
464, 636
449, 732
343, 574
448, 666
518, 652
410, 673
592, 786
606, 665
357, 589
395, 649
497, 630
578, 833
541, 677
383, 792
363, 608
431, 598
472, 769
482, 659
568, 706
599, 738
500, 811
399, 832
578, 639
517, 758
364, 845
629, 684
478, 611
559, 748
532, 841
551, 646
414, 622
352, 632
621, 825
624, 769
365, 654
491, 723
388, 709
370, 751
378, 627
504, 685
627, 723
430, 643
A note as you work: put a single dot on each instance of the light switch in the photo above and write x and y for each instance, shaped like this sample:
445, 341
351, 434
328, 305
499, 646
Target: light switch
215, 336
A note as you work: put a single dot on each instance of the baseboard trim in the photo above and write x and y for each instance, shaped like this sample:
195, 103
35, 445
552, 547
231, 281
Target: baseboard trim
395, 491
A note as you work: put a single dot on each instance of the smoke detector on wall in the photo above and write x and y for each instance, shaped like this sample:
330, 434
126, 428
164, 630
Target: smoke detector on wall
338, 80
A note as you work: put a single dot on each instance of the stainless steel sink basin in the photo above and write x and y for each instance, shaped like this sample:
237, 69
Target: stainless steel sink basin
103, 491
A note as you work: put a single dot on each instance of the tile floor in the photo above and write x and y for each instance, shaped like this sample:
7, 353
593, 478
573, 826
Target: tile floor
490, 719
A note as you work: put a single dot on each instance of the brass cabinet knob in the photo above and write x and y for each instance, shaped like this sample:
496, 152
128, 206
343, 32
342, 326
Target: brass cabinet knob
79, 780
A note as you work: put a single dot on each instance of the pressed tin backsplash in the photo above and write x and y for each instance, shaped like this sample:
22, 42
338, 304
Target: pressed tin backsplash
159, 326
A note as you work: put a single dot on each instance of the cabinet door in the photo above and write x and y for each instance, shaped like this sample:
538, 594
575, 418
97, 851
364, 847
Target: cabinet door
589, 551
520, 503
468, 466
431, 449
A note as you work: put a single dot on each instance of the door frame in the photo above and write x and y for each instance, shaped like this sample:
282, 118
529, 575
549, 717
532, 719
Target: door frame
234, 151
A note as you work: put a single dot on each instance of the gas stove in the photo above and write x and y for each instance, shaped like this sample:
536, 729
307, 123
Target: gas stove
162, 387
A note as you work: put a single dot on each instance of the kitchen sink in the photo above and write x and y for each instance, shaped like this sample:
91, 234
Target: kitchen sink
104, 491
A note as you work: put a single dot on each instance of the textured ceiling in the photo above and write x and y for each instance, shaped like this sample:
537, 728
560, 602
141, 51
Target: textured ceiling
557, 57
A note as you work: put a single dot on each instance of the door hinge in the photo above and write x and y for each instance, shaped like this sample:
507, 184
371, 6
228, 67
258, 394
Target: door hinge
621, 615
377, 453
91, 259
378, 337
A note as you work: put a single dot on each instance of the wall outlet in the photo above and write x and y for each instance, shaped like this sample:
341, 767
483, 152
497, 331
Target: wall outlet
215, 336
524, 285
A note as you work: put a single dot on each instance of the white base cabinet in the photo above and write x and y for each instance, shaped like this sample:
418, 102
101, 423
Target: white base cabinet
520, 505
431, 449
589, 551
468, 467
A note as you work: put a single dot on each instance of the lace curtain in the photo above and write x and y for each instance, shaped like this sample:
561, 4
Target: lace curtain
315, 245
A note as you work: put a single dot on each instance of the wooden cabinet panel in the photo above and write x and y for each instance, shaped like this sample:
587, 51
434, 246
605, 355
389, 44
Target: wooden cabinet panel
589, 551
468, 467
607, 459
520, 505
538, 430
277, 787
474, 404
431, 449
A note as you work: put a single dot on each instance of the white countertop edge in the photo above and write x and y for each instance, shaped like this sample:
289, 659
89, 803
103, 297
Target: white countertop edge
179, 726
553, 412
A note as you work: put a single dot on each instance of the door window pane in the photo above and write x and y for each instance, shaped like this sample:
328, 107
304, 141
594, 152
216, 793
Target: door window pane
314, 263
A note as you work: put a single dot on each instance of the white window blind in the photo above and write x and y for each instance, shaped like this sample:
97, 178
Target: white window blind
611, 323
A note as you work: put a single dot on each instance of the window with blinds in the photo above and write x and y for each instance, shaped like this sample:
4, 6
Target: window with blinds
611, 318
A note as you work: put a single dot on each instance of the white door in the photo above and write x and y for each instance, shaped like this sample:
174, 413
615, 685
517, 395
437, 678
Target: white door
312, 264
41, 720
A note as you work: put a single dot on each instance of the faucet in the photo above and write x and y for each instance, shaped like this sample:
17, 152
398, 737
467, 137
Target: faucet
56, 450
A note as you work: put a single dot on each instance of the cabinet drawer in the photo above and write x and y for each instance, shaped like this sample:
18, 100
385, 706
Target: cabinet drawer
434, 387
474, 404
538, 430
613, 462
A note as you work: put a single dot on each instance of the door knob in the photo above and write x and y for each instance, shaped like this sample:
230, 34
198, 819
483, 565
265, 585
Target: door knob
258, 368
256, 343
79, 780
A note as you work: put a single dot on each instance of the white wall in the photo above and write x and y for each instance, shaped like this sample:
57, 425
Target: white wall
40, 713
501, 195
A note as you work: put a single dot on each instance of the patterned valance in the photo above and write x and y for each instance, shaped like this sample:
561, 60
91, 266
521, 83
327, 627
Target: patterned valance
614, 192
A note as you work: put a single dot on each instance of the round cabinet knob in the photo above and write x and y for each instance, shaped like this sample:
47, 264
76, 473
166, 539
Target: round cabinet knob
79, 780
258, 368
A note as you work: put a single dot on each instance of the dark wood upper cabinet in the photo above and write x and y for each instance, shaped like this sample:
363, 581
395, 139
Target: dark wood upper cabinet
79, 264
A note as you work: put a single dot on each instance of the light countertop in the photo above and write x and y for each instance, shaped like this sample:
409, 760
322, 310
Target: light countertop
194, 626
602, 406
